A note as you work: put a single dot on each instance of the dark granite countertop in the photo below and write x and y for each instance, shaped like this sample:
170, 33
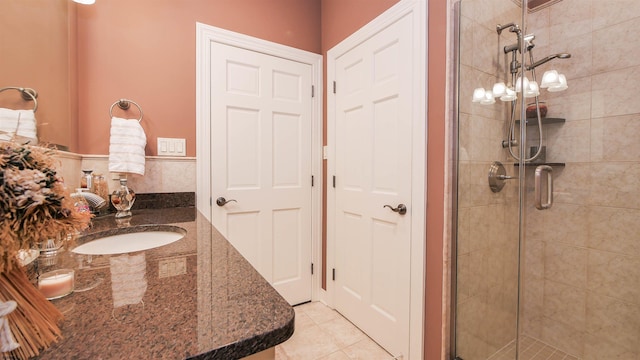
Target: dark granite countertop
196, 298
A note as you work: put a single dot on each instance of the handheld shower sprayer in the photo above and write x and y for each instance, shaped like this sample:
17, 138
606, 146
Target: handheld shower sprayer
547, 59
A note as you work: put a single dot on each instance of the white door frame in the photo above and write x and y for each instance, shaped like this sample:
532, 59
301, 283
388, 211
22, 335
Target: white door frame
418, 10
205, 35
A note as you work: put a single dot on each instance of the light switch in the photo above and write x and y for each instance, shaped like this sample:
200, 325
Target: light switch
172, 147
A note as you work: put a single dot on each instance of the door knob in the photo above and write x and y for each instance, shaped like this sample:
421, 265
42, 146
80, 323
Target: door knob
222, 201
401, 209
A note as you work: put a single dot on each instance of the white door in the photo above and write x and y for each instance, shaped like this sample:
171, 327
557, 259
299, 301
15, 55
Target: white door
373, 151
261, 163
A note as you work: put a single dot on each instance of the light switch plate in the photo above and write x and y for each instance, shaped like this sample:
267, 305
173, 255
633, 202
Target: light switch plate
172, 147
172, 267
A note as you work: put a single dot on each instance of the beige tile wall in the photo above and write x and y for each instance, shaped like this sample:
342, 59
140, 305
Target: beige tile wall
581, 259
162, 174
582, 263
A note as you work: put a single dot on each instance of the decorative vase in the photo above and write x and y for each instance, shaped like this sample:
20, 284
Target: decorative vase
123, 199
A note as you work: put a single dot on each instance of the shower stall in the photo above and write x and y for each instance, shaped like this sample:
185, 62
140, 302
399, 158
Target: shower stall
546, 252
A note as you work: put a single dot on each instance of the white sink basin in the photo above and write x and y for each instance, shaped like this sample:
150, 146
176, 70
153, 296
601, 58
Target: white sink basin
131, 240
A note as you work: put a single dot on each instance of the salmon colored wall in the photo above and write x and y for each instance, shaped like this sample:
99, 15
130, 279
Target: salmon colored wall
33, 42
145, 50
436, 114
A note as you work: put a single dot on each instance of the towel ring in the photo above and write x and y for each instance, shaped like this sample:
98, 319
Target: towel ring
28, 94
125, 104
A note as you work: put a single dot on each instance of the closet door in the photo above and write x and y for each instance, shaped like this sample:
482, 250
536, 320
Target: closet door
261, 163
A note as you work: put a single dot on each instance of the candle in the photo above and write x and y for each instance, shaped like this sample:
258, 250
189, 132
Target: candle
56, 284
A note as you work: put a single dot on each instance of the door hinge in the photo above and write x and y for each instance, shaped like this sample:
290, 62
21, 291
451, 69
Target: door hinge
313, 91
333, 274
334, 87
334, 181
311, 268
311, 180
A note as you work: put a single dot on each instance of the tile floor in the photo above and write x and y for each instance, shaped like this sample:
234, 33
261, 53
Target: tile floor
532, 349
323, 334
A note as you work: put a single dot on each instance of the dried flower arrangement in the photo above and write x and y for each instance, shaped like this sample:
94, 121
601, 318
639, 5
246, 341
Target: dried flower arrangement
34, 203
34, 206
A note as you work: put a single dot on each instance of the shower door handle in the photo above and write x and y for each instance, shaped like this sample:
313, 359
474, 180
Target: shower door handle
538, 187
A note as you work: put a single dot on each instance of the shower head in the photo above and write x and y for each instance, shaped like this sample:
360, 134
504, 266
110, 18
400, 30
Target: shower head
528, 41
512, 27
547, 59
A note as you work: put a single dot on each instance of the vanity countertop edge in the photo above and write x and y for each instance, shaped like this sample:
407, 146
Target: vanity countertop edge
200, 300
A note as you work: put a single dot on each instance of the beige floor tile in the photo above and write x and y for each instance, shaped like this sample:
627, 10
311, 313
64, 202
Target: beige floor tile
310, 343
343, 331
319, 312
303, 320
338, 355
366, 349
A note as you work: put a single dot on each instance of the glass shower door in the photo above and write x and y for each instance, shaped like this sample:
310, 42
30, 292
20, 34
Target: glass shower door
487, 250
564, 282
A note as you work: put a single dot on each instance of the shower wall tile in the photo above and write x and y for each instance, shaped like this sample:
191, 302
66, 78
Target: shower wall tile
570, 19
616, 184
489, 13
472, 336
611, 46
614, 93
565, 337
615, 138
464, 245
463, 276
481, 138
466, 41
485, 43
614, 229
572, 185
565, 303
597, 348
615, 275
564, 224
474, 187
614, 320
580, 64
534, 259
604, 14
539, 22
572, 104
533, 306
569, 142
478, 79
565, 264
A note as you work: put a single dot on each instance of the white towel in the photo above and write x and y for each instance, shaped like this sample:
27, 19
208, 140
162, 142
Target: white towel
21, 123
126, 146
128, 279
